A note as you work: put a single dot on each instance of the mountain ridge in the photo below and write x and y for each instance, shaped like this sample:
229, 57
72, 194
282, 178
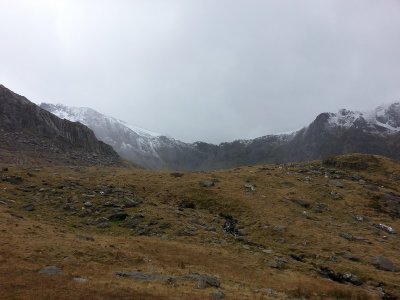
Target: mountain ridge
372, 132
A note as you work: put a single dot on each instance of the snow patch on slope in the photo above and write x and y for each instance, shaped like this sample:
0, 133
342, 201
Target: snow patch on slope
85, 114
386, 116
121, 135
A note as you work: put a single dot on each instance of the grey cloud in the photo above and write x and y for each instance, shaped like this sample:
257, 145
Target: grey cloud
204, 70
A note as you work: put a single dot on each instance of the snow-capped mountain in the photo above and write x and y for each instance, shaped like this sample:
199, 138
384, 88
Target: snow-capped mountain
133, 143
384, 119
375, 132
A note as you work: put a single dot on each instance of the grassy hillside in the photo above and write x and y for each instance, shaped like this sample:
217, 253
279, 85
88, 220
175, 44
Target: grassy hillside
271, 231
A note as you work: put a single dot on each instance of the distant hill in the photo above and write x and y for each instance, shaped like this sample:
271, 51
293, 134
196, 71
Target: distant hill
29, 133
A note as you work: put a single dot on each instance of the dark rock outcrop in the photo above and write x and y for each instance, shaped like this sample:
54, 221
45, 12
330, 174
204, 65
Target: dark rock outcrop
29, 133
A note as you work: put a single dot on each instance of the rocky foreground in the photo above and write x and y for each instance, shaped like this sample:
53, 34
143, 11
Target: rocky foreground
319, 230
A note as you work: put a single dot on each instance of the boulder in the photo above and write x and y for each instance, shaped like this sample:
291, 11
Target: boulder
383, 263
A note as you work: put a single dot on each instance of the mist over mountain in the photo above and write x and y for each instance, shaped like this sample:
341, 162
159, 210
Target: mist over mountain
375, 132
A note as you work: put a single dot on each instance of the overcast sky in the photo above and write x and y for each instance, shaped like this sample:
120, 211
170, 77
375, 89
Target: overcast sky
211, 70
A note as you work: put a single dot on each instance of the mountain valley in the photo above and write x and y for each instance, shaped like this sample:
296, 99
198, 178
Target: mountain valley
374, 132
79, 222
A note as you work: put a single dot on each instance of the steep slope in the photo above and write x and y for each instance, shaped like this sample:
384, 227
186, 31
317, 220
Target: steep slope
146, 148
375, 132
37, 135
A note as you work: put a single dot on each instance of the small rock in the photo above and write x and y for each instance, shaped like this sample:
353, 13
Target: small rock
131, 203
12, 179
186, 232
206, 183
336, 183
353, 279
7, 202
98, 221
117, 210
279, 228
85, 212
103, 225
298, 257
205, 281
118, 217
359, 218
165, 225
110, 204
278, 263
250, 188
68, 207
351, 257
176, 174
350, 237
187, 204
28, 207
88, 204
373, 283
217, 294
145, 277
383, 263
80, 280
339, 277
230, 226
347, 236
371, 187
133, 221
50, 270
320, 207
336, 195
385, 228
85, 238
301, 202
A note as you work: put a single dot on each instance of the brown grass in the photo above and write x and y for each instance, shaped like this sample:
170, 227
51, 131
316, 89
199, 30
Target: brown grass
48, 235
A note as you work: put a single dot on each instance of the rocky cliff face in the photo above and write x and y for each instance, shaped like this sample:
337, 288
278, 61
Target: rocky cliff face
34, 134
374, 132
